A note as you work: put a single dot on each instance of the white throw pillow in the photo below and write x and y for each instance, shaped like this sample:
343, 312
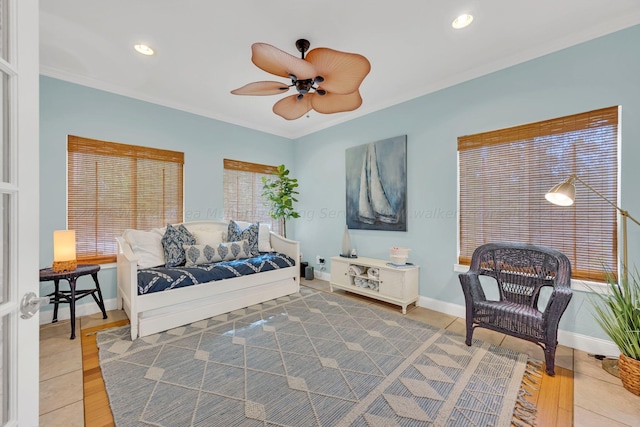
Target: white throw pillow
264, 235
211, 238
208, 233
146, 246
264, 238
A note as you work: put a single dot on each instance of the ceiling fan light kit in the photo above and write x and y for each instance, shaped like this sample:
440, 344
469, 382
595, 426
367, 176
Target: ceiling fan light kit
326, 80
144, 49
462, 21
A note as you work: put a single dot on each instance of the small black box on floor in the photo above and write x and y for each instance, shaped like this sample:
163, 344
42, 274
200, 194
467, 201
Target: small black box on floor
303, 265
308, 273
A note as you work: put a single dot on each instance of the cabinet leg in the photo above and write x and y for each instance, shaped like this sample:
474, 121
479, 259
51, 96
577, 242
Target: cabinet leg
404, 309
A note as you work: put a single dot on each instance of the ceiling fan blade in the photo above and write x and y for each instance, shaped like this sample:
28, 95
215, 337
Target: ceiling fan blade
275, 61
291, 108
261, 88
335, 103
343, 72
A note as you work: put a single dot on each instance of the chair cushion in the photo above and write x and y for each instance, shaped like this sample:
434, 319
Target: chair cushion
509, 316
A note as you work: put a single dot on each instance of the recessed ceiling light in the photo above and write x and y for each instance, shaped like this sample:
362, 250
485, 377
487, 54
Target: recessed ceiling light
144, 49
462, 21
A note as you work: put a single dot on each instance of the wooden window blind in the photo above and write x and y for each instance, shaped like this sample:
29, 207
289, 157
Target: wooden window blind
243, 200
504, 175
113, 187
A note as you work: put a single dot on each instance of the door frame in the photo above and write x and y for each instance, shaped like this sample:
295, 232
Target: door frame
23, 105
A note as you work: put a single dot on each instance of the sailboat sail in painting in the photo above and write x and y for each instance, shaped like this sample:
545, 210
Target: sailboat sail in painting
376, 185
373, 203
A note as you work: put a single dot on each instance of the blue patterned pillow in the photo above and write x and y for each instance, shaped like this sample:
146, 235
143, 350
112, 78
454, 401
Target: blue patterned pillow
172, 243
206, 254
236, 233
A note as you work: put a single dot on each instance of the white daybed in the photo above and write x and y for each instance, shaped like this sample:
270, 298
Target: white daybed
160, 311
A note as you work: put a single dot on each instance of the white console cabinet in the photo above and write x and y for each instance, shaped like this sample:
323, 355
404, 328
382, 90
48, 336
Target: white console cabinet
376, 279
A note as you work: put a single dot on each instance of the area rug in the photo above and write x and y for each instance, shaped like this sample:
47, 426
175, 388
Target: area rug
311, 359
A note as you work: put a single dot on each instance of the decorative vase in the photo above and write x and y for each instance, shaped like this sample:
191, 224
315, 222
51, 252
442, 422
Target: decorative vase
399, 255
346, 243
629, 369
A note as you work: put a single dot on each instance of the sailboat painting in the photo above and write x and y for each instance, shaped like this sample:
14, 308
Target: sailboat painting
376, 185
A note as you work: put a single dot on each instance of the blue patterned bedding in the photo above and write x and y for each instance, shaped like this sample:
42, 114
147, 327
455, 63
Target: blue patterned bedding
158, 279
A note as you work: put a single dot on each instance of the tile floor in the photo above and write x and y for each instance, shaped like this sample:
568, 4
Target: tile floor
599, 398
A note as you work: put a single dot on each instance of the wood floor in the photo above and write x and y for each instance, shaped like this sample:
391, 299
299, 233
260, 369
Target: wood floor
97, 412
554, 398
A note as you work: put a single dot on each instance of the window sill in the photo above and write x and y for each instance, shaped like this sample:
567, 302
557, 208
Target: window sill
103, 266
108, 265
576, 285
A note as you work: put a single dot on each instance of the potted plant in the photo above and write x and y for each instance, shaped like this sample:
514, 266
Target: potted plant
617, 311
280, 192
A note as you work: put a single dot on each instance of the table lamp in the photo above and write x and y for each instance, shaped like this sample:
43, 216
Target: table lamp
64, 251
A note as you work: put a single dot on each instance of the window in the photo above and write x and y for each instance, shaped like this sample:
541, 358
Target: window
113, 187
243, 199
505, 174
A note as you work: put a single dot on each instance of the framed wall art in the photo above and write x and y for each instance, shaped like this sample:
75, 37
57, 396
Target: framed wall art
376, 183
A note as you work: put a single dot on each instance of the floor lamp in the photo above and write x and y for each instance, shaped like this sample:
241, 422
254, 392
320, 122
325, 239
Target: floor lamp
564, 194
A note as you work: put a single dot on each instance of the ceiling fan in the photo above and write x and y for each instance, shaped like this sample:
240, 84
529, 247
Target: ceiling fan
327, 80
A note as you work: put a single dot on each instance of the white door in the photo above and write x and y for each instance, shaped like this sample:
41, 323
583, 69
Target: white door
19, 352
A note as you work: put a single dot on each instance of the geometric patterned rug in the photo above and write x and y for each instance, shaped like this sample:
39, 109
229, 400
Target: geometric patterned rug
310, 359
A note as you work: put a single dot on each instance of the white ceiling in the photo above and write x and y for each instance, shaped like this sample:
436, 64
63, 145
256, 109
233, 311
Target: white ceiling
203, 47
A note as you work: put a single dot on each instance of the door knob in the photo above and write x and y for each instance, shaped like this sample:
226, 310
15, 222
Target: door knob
30, 304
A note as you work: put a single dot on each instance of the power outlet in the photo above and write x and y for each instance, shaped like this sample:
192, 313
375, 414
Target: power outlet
320, 262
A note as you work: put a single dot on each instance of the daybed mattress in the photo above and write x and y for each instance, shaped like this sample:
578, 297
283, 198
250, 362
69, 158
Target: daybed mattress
157, 279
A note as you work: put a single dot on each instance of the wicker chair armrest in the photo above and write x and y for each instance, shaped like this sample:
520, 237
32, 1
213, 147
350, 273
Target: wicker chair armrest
558, 302
471, 286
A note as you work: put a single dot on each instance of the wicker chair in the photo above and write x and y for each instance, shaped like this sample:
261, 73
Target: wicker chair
520, 271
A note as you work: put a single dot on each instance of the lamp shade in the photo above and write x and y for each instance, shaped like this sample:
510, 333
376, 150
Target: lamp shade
64, 250
562, 194
64, 245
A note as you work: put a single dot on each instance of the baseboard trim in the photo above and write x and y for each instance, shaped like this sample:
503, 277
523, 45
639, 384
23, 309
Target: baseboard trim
442, 306
322, 275
566, 338
588, 344
46, 316
570, 339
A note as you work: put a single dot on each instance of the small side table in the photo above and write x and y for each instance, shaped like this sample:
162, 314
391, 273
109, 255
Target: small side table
71, 296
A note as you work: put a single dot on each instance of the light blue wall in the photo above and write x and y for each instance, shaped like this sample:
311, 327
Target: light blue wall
600, 73
596, 74
70, 109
